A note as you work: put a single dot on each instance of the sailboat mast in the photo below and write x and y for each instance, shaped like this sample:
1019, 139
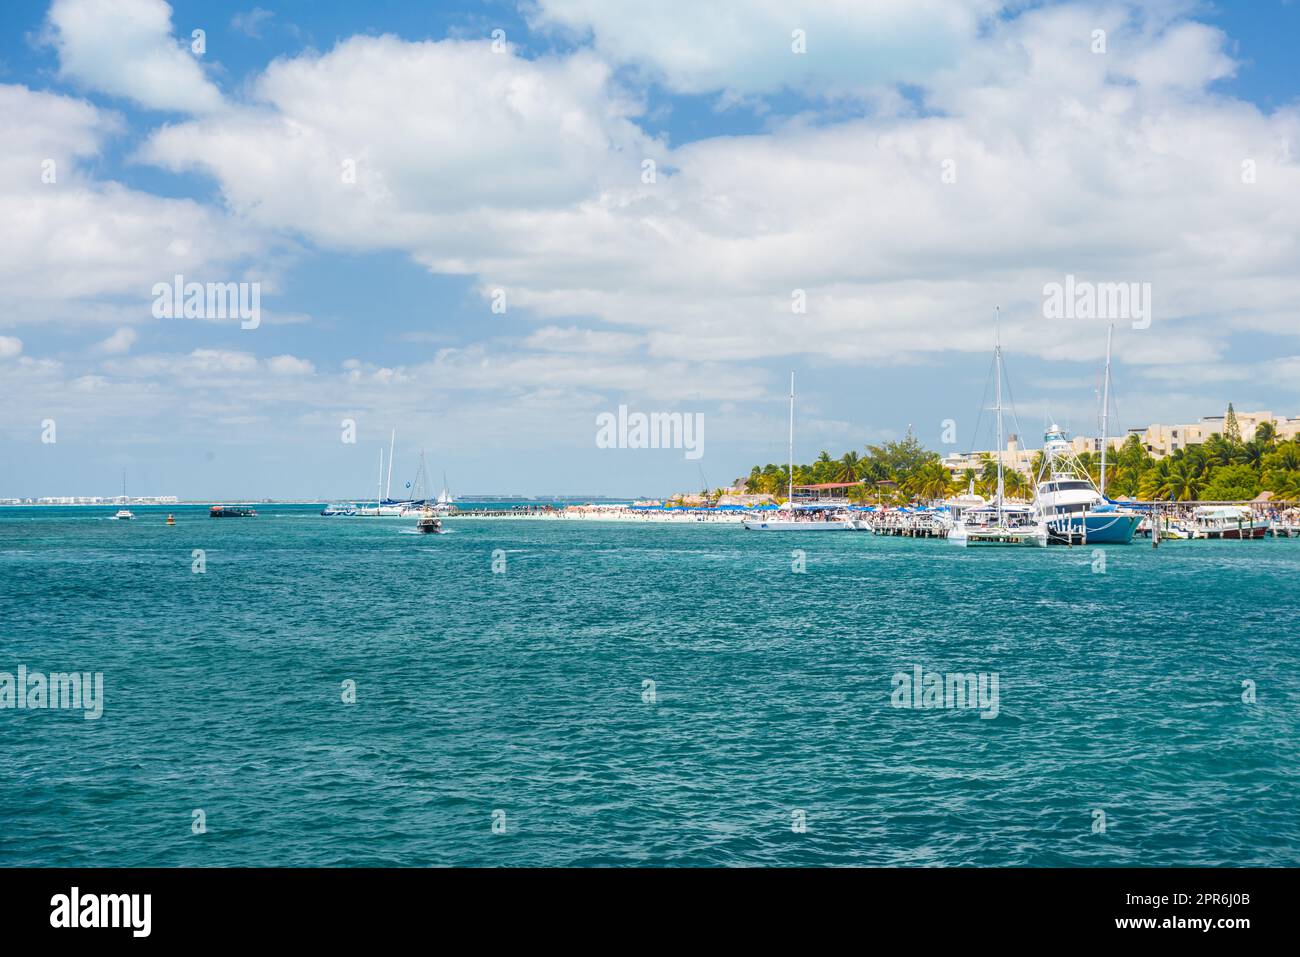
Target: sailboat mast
1105, 408
391, 442
997, 355
379, 488
791, 499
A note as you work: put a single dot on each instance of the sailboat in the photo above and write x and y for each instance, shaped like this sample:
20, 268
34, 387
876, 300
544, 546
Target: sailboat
999, 523
446, 503
384, 506
1075, 510
791, 519
124, 513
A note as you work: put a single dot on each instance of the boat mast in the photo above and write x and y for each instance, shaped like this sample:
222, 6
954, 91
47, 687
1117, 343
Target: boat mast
790, 502
388, 496
1105, 408
379, 491
997, 358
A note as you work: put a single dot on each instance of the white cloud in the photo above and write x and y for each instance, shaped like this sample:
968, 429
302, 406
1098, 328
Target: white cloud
125, 48
119, 342
431, 130
1114, 167
851, 46
290, 365
250, 22
70, 238
10, 347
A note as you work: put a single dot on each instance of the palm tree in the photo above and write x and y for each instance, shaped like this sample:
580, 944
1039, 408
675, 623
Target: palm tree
1184, 485
1016, 484
850, 465
930, 481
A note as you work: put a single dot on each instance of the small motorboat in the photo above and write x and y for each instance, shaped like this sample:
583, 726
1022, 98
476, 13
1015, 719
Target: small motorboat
342, 508
428, 523
170, 519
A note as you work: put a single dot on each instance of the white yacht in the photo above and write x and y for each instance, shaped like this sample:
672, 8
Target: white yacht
1075, 510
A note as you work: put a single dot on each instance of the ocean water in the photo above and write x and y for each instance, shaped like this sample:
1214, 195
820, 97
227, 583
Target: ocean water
519, 698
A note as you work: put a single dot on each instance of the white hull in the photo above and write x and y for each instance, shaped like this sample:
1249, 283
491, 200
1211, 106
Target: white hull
998, 536
788, 525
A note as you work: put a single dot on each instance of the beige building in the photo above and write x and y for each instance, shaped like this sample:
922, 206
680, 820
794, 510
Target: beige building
1162, 440
1016, 457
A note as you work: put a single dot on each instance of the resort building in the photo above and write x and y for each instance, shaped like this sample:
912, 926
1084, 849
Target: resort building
1162, 440
1159, 440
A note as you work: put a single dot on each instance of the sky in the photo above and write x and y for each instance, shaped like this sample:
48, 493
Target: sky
487, 224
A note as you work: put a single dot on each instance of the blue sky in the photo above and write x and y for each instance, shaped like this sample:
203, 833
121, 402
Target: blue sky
520, 168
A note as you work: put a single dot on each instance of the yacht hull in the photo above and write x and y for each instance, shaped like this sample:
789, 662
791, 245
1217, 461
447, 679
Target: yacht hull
998, 538
1106, 528
789, 526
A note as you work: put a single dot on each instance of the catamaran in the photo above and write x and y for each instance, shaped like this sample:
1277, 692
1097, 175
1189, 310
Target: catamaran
792, 518
124, 513
999, 522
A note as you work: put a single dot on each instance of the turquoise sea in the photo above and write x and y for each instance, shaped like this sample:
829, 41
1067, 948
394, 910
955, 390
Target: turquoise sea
520, 699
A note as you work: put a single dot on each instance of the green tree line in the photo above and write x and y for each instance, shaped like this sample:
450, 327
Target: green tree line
1223, 468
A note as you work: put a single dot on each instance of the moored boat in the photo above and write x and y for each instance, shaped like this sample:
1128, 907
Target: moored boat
231, 511
1227, 521
1000, 523
1073, 509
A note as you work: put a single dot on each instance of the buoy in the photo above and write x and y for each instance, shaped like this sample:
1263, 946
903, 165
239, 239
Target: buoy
170, 520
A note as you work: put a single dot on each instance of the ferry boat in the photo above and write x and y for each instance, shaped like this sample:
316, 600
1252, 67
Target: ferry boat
1074, 511
231, 511
1227, 521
